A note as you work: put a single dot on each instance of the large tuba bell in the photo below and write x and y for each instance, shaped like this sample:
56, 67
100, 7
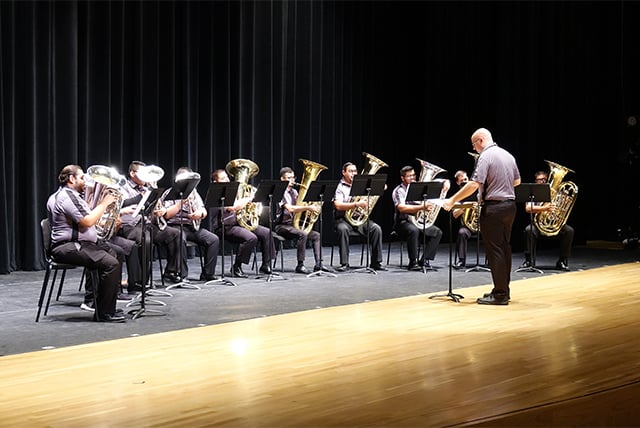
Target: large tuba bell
242, 171
105, 180
304, 220
563, 196
426, 219
358, 216
471, 216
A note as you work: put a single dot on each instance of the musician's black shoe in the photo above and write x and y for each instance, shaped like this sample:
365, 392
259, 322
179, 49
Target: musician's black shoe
562, 265
124, 297
117, 317
378, 266
172, 277
237, 272
492, 299
302, 269
323, 268
134, 288
525, 264
204, 277
266, 269
343, 268
460, 264
414, 265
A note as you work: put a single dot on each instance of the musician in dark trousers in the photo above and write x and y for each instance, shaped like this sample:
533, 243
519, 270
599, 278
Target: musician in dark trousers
74, 239
406, 229
495, 177
287, 208
343, 203
565, 236
464, 233
234, 232
190, 212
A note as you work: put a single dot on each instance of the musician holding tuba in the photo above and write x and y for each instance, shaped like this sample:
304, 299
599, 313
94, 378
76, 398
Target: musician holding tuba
406, 229
344, 204
468, 221
284, 224
565, 232
190, 212
234, 232
139, 185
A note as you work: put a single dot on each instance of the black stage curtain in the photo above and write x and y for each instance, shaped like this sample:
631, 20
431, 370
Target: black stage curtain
178, 83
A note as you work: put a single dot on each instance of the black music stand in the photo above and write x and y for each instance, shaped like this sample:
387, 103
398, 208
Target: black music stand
316, 193
450, 294
145, 207
368, 185
423, 191
267, 192
217, 197
178, 192
531, 193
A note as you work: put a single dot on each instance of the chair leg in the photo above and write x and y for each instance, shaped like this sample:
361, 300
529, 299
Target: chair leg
64, 274
53, 284
43, 291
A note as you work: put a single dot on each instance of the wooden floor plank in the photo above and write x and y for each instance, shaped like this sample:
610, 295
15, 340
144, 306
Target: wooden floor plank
410, 361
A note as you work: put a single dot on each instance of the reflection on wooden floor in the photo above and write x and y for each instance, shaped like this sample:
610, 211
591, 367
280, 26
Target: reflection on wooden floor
565, 352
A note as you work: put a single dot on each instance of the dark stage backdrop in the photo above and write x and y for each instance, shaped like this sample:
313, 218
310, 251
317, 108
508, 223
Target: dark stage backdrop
201, 83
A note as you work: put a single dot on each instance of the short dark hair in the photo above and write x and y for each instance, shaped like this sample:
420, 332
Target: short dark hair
215, 173
285, 170
347, 165
135, 165
405, 169
67, 172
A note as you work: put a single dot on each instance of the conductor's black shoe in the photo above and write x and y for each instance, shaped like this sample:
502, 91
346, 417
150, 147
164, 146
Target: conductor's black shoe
237, 272
485, 295
205, 277
491, 299
172, 277
562, 265
323, 268
378, 266
302, 269
266, 269
343, 268
118, 317
525, 264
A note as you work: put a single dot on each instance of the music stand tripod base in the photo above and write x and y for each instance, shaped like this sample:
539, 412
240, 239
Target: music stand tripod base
530, 269
137, 300
221, 281
183, 285
453, 296
271, 276
321, 273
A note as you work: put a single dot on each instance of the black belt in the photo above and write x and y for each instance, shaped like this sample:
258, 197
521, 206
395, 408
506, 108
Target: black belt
492, 201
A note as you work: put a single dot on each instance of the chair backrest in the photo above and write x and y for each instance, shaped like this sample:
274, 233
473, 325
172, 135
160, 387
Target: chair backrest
45, 228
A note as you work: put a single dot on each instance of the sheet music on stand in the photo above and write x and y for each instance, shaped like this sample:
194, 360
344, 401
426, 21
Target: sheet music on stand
146, 196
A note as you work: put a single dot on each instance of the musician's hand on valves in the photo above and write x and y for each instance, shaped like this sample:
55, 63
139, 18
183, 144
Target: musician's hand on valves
160, 212
313, 208
362, 203
108, 199
448, 204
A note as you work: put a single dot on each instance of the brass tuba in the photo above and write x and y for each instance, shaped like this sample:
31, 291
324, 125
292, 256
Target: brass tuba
358, 216
563, 196
424, 219
471, 216
105, 180
242, 171
304, 220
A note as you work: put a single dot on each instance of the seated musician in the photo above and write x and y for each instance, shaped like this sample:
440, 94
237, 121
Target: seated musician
464, 233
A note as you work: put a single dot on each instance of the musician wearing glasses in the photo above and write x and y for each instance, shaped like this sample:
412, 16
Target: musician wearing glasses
158, 233
464, 233
343, 202
531, 235
406, 229
234, 232
287, 208
190, 212
74, 239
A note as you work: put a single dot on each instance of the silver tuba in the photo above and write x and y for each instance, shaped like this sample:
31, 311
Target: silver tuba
304, 220
358, 215
426, 219
151, 174
192, 204
105, 180
242, 171
563, 196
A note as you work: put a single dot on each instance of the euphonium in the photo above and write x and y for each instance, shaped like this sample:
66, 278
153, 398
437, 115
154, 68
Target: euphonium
358, 216
563, 196
304, 220
471, 216
151, 174
424, 219
106, 180
192, 203
242, 171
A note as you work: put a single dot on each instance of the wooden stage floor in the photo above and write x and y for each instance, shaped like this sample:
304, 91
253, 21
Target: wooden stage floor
565, 352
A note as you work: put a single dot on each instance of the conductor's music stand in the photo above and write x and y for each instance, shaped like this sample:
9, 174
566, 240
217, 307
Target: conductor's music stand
316, 193
221, 195
450, 294
368, 185
267, 192
424, 191
178, 192
531, 193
